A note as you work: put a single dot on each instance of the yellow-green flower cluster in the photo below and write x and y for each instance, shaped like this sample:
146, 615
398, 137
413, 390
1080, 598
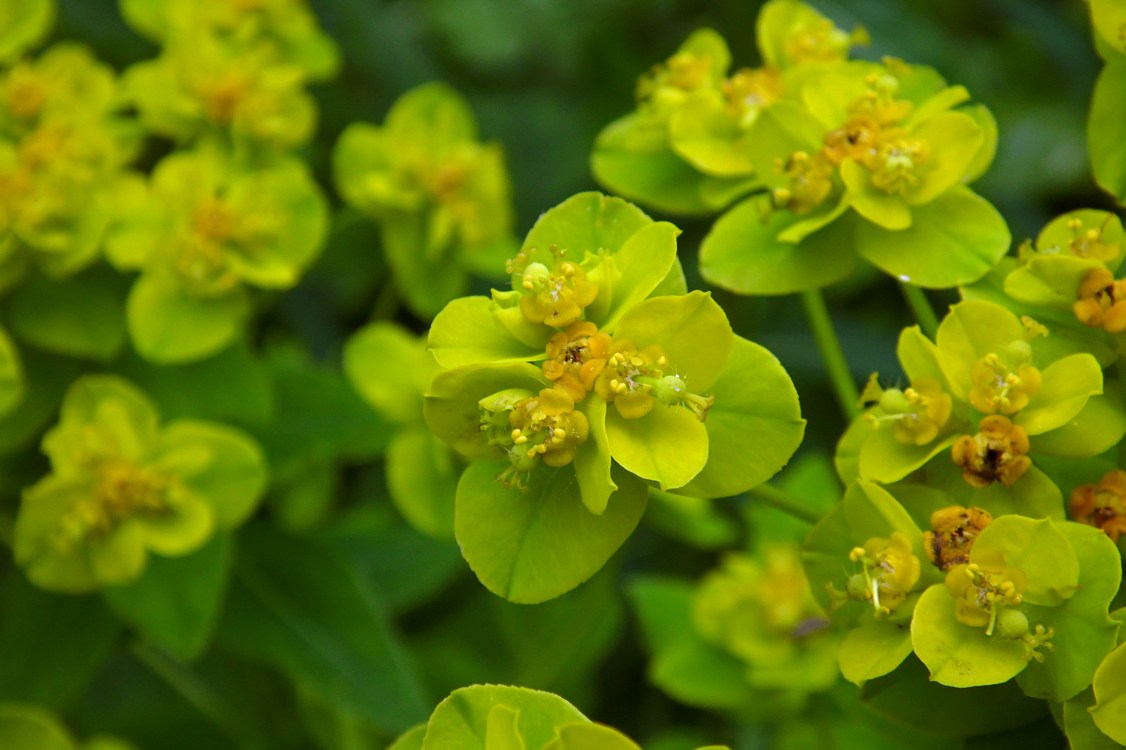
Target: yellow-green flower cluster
232, 71
64, 145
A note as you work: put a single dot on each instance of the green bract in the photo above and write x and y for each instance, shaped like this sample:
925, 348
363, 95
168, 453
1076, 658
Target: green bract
392, 370
203, 233
441, 198
122, 485
1060, 578
688, 148
632, 372
496, 717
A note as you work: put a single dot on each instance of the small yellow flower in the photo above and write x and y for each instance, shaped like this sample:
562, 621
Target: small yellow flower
749, 90
917, 413
997, 453
1087, 242
810, 180
576, 357
533, 428
982, 589
1101, 301
889, 570
999, 386
555, 296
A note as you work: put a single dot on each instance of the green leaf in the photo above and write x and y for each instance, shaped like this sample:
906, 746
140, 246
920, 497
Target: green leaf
1051, 280
1065, 388
422, 479
699, 674
175, 604
1082, 734
31, 728
11, 375
80, 316
409, 247
391, 369
1084, 633
873, 649
410, 740
632, 158
466, 332
460, 721
1109, 685
669, 445
956, 654
696, 521
906, 696
56, 645
952, 240
231, 386
1106, 129
744, 252
168, 325
533, 545
663, 608
297, 605
754, 426
1039, 548
1098, 426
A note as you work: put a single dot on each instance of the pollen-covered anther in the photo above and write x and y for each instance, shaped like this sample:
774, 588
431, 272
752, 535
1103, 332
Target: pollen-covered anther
954, 530
1101, 301
997, 453
555, 296
576, 357
1001, 387
1102, 505
889, 569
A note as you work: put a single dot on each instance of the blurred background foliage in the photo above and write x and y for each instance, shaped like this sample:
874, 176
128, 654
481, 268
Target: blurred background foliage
542, 77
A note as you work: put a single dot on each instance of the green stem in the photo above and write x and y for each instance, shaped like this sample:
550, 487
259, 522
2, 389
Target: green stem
191, 688
782, 501
921, 307
831, 352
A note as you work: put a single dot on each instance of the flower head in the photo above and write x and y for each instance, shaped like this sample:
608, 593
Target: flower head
576, 357
1102, 505
554, 294
889, 569
954, 531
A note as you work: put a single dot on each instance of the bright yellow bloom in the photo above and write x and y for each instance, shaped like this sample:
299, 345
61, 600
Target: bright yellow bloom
997, 453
